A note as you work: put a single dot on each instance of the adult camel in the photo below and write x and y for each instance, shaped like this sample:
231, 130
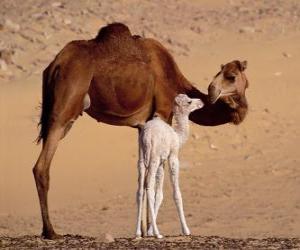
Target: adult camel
123, 80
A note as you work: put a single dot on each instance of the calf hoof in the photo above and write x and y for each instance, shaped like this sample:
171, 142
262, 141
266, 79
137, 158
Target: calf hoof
150, 232
137, 238
159, 236
187, 232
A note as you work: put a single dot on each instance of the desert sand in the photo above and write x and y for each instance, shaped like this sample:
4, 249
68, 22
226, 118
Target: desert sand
237, 181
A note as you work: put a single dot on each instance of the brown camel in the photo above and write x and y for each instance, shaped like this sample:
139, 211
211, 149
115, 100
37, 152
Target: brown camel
123, 80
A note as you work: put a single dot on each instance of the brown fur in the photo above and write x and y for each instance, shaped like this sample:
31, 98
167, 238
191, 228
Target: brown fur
129, 79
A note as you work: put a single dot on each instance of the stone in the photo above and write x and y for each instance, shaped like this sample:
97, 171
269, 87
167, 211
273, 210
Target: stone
287, 55
10, 25
3, 65
57, 5
106, 237
247, 29
67, 21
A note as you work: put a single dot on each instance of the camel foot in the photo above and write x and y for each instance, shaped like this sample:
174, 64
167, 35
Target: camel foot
51, 235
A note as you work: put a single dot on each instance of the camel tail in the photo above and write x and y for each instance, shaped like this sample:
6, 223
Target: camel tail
47, 101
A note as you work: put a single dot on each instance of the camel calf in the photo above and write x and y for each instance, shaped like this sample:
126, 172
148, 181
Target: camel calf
159, 142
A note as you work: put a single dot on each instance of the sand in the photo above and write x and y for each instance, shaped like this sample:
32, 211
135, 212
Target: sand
237, 181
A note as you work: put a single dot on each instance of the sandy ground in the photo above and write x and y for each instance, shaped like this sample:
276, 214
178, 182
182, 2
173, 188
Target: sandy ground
237, 181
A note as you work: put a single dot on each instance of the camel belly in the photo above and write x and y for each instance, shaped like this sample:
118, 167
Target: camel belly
122, 94
131, 120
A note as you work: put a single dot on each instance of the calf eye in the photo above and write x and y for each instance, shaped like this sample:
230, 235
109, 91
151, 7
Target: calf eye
189, 102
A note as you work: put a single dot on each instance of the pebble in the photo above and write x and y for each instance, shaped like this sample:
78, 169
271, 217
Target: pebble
195, 136
57, 5
247, 29
6, 55
106, 237
212, 146
3, 65
287, 55
67, 21
278, 73
10, 25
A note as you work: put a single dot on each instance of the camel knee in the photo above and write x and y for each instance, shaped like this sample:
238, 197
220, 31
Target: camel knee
67, 128
41, 177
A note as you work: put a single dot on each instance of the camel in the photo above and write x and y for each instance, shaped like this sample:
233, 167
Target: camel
158, 143
123, 79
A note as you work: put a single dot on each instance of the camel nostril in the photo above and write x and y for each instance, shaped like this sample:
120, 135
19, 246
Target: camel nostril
211, 88
213, 93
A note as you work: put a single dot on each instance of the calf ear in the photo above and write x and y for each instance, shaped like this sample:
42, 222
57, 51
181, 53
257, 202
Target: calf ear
243, 65
178, 99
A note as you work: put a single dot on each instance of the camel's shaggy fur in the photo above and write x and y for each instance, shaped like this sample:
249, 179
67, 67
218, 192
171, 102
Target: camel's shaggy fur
159, 142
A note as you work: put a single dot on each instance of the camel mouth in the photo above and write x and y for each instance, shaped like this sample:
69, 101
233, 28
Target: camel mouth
213, 99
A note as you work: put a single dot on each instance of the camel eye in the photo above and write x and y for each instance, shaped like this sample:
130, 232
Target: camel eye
189, 102
230, 78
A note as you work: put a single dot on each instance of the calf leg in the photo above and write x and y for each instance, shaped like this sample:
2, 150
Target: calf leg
174, 171
151, 194
158, 194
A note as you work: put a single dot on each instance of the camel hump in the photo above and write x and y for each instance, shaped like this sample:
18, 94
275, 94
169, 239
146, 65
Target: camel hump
113, 30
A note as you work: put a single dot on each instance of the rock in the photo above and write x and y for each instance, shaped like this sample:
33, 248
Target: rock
38, 16
212, 146
247, 29
287, 55
57, 5
195, 136
67, 21
3, 65
106, 237
6, 55
10, 25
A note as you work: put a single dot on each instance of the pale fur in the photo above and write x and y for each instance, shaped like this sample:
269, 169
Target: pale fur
159, 142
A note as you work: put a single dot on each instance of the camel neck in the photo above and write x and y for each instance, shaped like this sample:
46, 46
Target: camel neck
181, 126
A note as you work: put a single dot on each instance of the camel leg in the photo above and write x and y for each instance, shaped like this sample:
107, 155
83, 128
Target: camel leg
61, 122
174, 171
41, 176
150, 185
158, 194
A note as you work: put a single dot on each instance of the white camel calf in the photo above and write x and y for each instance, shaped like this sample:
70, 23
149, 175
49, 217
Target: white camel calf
159, 142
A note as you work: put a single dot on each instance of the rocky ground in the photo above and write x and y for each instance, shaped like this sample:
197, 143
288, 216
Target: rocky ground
41, 28
169, 242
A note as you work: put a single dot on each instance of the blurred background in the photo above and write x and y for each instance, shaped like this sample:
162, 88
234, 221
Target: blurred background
237, 181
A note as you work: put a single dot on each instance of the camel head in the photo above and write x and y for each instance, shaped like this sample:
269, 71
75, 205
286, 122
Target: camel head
229, 84
185, 105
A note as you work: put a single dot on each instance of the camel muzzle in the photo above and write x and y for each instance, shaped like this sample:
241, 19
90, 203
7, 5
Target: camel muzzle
213, 94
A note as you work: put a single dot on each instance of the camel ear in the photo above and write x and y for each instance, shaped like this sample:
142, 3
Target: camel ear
222, 66
243, 65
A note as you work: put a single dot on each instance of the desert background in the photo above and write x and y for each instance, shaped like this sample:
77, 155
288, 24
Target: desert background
237, 181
